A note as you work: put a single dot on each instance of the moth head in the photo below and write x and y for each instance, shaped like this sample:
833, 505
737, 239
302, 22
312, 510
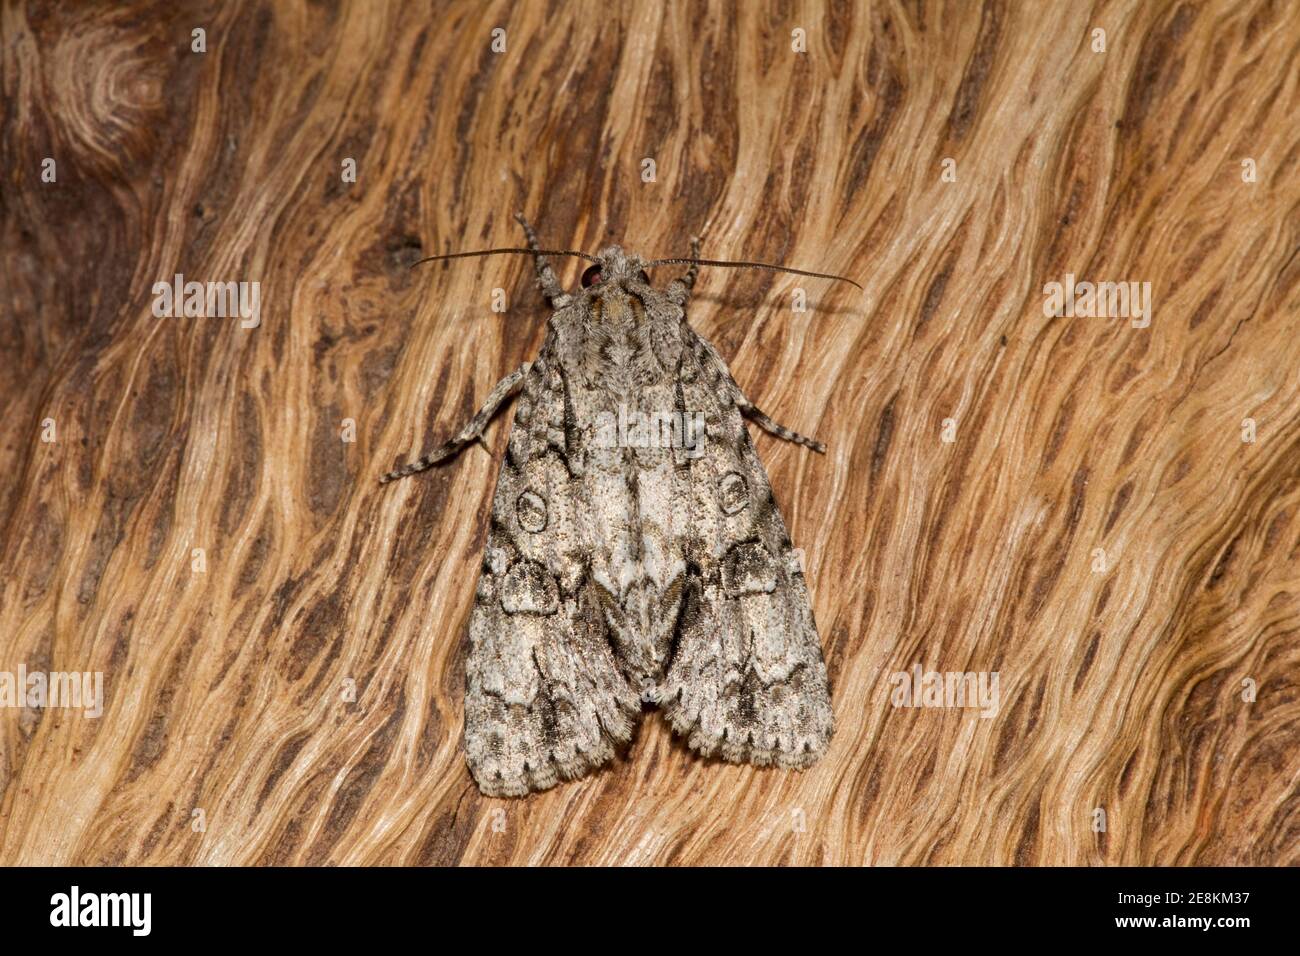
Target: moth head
614, 267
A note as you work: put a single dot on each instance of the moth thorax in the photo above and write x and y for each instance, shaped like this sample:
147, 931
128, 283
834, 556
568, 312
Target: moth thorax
618, 310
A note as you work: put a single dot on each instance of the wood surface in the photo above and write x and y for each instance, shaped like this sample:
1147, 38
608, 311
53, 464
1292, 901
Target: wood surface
1122, 689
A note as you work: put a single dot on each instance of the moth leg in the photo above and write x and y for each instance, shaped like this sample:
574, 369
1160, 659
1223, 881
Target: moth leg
750, 410
721, 377
472, 431
679, 290
546, 276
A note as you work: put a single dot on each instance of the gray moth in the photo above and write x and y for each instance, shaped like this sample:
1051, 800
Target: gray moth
635, 554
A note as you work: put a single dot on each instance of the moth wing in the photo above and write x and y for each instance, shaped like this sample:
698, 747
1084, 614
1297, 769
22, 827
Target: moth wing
747, 681
544, 698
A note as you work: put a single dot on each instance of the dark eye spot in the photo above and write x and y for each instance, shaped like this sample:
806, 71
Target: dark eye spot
645, 278
591, 276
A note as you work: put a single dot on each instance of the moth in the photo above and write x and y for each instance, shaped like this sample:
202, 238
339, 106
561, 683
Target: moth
632, 566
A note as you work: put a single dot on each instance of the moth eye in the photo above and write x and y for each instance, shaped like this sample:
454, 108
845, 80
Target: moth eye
645, 278
591, 276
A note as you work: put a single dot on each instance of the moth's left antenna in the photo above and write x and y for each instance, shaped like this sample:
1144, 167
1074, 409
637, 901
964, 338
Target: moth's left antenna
502, 252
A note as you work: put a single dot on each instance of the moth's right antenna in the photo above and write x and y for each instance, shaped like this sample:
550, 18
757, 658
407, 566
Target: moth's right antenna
752, 265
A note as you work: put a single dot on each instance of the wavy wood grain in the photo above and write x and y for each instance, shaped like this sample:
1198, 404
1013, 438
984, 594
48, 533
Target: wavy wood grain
1121, 690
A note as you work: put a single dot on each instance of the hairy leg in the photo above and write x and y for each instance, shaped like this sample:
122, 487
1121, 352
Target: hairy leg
471, 432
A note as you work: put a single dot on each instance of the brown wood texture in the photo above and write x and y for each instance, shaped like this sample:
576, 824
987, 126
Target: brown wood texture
1124, 689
